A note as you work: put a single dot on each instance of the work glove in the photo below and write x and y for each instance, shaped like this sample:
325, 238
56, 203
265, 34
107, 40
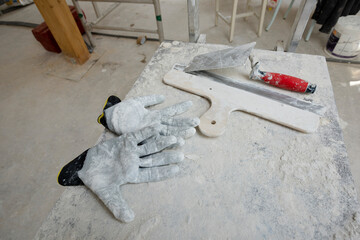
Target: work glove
131, 115
121, 114
125, 159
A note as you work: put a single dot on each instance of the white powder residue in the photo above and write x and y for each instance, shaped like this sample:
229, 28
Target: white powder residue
140, 233
343, 123
259, 180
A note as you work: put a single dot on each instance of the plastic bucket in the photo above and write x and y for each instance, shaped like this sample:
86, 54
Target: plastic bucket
344, 41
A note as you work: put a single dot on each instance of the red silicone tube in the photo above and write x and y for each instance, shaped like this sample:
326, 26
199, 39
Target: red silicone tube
288, 82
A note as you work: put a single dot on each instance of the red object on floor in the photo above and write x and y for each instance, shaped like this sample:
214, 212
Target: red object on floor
43, 34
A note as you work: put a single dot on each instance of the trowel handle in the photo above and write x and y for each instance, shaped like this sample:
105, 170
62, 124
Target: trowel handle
288, 82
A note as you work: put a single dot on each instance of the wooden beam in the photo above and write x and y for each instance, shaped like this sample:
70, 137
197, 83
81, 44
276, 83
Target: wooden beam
61, 23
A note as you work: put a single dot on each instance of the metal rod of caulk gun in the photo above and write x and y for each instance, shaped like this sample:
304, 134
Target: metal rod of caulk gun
279, 80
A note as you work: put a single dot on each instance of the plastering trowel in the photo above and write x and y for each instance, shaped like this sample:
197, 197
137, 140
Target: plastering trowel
283, 98
237, 56
226, 58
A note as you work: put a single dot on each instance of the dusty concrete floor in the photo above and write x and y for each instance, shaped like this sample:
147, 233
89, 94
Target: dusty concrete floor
47, 120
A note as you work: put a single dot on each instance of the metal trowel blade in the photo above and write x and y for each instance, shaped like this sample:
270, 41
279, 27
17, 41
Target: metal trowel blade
226, 58
279, 97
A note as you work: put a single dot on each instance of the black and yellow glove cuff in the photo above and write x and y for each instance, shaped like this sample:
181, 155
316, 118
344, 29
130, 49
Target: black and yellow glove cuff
68, 174
111, 101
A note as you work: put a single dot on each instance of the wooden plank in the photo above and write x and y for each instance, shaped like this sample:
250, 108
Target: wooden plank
62, 25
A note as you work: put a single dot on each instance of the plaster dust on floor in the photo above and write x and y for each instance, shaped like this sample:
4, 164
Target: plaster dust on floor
47, 121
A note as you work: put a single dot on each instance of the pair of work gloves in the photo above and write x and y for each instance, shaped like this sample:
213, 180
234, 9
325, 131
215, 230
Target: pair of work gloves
143, 151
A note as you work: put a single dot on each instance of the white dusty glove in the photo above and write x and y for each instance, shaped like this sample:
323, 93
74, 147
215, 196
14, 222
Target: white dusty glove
125, 159
132, 114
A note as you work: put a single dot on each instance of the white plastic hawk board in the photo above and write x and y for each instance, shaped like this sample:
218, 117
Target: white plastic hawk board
225, 99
